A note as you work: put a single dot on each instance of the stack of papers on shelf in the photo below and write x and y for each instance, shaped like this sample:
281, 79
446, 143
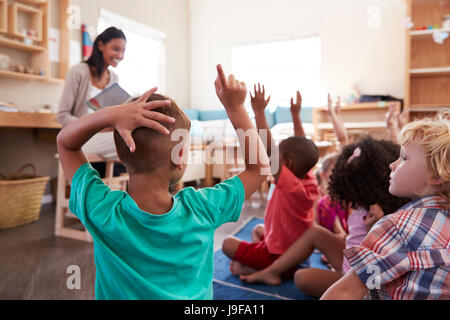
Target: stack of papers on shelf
8, 107
111, 96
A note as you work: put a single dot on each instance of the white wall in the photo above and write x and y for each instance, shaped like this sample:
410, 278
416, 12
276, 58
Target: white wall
351, 52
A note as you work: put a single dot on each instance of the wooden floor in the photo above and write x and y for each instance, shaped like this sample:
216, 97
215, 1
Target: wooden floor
33, 261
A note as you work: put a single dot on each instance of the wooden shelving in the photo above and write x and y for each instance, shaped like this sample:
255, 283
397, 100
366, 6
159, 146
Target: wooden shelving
20, 75
21, 17
427, 88
3, 16
423, 72
35, 17
35, 2
28, 120
367, 117
15, 44
27, 76
428, 107
417, 34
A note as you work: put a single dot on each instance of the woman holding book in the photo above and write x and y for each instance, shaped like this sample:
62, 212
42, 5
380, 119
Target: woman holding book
86, 80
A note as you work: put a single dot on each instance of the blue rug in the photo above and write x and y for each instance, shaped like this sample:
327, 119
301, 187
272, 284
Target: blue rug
229, 287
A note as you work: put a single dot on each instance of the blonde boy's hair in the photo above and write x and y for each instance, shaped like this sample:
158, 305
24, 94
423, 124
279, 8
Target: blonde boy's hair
434, 136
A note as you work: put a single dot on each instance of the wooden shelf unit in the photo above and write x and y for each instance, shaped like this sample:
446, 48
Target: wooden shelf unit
39, 49
35, 17
426, 33
367, 117
3, 16
427, 78
15, 44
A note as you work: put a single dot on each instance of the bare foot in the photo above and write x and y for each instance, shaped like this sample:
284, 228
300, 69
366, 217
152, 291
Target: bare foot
238, 268
266, 276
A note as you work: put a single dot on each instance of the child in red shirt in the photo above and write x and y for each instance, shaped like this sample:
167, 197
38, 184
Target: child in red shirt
289, 211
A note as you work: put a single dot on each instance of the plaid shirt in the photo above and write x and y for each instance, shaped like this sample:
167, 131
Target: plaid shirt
406, 255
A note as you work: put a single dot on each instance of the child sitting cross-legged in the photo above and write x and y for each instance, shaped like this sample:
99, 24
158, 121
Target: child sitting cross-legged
406, 255
359, 182
289, 211
148, 243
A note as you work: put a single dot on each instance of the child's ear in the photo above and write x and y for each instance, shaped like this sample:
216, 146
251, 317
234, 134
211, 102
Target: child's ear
288, 163
181, 154
181, 157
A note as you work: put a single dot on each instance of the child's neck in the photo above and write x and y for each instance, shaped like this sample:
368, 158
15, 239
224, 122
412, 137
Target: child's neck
151, 191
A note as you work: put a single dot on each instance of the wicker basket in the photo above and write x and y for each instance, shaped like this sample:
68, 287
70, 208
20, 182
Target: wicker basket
21, 197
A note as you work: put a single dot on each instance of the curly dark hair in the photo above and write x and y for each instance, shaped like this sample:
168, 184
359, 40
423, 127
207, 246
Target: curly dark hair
364, 181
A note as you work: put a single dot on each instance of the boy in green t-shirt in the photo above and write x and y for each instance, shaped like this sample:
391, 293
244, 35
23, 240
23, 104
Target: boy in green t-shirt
148, 244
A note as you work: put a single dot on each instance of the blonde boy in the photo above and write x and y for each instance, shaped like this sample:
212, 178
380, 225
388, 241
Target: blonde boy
149, 244
407, 254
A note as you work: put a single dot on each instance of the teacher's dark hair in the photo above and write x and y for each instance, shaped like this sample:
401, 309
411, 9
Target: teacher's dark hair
96, 59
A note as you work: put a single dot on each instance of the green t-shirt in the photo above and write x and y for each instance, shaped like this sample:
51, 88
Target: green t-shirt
139, 255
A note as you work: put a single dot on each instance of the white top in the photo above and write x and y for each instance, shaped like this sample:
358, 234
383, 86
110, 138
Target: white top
93, 92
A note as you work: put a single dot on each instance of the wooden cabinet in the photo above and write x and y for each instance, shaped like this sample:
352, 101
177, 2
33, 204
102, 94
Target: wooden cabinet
24, 37
427, 76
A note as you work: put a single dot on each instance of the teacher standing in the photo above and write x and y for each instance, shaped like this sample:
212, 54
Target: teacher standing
87, 79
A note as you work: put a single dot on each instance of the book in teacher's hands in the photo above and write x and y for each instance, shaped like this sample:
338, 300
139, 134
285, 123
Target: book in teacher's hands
111, 96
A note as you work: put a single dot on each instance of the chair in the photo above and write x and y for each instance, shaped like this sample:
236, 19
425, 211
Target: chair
66, 223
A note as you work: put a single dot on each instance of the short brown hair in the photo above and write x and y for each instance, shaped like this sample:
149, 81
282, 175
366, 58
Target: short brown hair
153, 149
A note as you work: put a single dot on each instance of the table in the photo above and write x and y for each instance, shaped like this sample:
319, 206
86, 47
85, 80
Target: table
32, 120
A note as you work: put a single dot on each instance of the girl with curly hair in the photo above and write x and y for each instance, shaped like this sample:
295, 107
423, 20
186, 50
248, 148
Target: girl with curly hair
406, 255
359, 181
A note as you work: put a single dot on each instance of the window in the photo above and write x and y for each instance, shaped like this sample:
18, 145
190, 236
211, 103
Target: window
283, 67
143, 65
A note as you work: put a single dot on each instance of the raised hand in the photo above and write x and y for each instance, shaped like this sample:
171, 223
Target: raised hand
296, 107
258, 101
402, 119
391, 117
138, 114
330, 104
231, 92
336, 108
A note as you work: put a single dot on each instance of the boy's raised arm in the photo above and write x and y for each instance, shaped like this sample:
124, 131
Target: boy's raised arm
295, 113
124, 118
259, 104
232, 93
